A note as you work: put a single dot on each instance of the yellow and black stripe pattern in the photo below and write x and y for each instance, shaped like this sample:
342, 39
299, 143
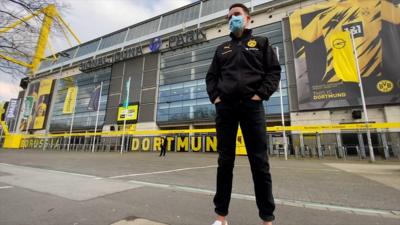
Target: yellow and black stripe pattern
362, 17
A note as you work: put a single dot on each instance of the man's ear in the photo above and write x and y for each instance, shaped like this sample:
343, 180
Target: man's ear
248, 19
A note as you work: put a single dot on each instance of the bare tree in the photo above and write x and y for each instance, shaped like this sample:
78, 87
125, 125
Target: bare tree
20, 42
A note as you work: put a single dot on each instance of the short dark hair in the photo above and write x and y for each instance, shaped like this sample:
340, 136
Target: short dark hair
245, 9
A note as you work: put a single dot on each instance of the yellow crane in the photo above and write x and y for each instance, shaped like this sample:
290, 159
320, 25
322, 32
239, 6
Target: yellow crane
50, 13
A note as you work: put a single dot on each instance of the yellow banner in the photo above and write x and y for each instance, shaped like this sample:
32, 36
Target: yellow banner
45, 87
39, 121
42, 102
70, 100
343, 57
326, 73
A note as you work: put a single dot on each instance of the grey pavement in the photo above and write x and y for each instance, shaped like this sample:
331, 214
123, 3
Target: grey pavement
50, 187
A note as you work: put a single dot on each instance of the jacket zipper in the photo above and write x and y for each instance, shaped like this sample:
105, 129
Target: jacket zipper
240, 63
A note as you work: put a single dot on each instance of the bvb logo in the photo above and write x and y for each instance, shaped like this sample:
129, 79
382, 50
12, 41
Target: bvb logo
252, 43
339, 43
385, 86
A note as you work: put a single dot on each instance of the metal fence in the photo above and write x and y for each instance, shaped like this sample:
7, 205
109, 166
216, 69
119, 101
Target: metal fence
386, 145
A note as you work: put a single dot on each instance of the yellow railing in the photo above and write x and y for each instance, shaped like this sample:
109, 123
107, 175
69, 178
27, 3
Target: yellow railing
304, 128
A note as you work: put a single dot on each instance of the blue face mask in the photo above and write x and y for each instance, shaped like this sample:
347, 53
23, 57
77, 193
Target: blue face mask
236, 24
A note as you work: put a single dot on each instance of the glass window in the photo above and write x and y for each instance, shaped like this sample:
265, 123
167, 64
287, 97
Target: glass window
176, 86
192, 83
203, 101
180, 16
274, 101
276, 109
46, 63
189, 103
276, 93
213, 6
113, 39
84, 118
164, 88
67, 55
143, 29
162, 118
87, 48
182, 82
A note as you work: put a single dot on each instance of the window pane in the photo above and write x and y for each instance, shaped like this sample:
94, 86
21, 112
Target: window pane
84, 118
113, 39
143, 29
87, 48
180, 17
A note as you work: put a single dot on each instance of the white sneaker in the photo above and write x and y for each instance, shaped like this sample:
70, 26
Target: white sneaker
217, 222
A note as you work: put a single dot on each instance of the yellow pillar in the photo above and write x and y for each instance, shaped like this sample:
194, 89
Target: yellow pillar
49, 14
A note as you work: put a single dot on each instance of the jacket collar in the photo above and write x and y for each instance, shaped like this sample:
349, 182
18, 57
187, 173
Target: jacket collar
246, 34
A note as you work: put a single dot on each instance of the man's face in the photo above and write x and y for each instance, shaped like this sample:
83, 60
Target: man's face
238, 11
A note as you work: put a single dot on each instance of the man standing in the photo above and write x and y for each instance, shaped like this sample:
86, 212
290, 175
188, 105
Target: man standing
244, 72
163, 146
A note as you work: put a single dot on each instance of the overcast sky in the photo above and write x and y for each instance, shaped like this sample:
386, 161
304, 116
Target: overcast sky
93, 18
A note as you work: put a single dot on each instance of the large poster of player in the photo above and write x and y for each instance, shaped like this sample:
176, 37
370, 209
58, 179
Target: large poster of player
35, 115
375, 25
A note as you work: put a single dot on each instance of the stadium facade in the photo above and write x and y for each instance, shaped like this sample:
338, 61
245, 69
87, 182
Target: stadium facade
166, 59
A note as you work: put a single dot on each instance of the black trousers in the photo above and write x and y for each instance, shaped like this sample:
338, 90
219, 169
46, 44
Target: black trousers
251, 117
163, 151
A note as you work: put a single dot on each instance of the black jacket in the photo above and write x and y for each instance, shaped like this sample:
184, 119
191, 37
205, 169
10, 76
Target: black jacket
243, 67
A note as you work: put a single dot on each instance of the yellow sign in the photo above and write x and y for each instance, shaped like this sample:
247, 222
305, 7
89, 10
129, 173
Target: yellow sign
252, 43
385, 86
45, 87
131, 113
343, 57
70, 100
179, 143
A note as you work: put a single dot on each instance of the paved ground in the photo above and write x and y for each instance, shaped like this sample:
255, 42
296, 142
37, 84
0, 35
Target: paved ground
76, 188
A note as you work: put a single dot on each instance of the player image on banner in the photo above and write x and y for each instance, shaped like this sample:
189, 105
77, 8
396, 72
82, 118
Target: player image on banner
42, 103
29, 105
35, 112
376, 29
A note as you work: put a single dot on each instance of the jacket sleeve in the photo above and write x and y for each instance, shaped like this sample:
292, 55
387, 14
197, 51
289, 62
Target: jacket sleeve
212, 77
272, 73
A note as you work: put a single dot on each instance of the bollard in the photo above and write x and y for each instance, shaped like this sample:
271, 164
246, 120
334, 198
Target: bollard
44, 144
358, 152
344, 152
330, 150
321, 152
320, 156
337, 152
396, 151
302, 151
386, 152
